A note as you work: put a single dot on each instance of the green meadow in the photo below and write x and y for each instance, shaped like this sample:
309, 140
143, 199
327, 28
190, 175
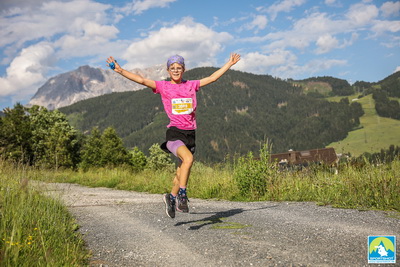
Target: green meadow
375, 133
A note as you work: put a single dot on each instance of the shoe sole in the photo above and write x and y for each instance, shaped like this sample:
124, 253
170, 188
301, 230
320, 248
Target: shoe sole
166, 207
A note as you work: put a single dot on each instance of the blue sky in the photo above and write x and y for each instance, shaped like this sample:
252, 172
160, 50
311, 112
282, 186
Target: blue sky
351, 40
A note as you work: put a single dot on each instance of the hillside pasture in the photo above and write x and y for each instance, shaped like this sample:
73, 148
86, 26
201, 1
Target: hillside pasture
375, 133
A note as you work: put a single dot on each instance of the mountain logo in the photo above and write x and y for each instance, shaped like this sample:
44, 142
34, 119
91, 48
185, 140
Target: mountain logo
381, 249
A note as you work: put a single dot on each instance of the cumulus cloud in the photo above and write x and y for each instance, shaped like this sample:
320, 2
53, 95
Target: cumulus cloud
194, 41
139, 6
283, 63
327, 33
391, 9
49, 20
361, 14
311, 68
258, 23
380, 27
326, 43
257, 62
27, 71
283, 6
304, 32
330, 2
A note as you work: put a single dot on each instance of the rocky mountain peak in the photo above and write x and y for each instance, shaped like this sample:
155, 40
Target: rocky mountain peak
87, 82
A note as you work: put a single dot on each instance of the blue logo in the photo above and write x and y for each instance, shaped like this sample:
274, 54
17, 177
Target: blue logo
381, 249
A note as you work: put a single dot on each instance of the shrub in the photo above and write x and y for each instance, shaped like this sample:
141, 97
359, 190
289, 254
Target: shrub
252, 175
158, 159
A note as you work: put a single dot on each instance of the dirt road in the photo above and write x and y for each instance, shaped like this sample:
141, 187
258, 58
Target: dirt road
125, 228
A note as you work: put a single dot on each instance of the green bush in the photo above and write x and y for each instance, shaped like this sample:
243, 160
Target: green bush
253, 175
139, 160
158, 159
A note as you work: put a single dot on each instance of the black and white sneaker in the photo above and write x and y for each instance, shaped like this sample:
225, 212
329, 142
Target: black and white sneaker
169, 205
182, 205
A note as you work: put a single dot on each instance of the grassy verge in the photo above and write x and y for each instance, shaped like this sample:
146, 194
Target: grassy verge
369, 187
35, 230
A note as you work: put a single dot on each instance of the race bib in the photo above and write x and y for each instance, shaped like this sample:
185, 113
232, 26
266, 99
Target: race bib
182, 106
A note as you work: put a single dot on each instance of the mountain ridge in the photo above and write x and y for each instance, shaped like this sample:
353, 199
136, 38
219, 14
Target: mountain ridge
87, 82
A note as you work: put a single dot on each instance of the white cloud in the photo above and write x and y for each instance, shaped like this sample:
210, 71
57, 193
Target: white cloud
257, 62
258, 23
361, 14
13, 4
27, 71
326, 43
283, 6
327, 33
283, 64
311, 68
48, 20
139, 6
330, 2
305, 32
391, 9
397, 69
92, 39
380, 27
198, 44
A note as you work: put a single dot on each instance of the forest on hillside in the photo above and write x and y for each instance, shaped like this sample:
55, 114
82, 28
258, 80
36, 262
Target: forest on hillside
235, 115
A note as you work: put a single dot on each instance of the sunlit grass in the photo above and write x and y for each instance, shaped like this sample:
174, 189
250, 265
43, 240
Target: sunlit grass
369, 187
35, 230
376, 133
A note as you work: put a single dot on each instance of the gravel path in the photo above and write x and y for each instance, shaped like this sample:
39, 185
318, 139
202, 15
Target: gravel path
124, 228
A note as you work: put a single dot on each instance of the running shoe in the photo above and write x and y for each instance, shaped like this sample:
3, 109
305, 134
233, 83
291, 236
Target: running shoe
169, 205
182, 204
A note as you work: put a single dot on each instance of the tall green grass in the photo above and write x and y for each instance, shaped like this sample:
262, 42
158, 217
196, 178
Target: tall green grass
367, 187
35, 230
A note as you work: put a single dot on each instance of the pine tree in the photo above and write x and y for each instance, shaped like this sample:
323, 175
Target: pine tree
91, 150
15, 135
113, 152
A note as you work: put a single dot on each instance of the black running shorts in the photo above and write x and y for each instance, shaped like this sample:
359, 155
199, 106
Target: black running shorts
188, 137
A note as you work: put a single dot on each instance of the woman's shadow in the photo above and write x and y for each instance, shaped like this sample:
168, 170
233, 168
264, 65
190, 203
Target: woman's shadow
216, 217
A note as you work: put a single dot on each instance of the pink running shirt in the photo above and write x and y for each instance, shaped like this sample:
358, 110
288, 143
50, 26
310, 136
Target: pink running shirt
179, 102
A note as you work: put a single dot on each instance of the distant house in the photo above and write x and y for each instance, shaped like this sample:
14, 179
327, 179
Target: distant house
326, 156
